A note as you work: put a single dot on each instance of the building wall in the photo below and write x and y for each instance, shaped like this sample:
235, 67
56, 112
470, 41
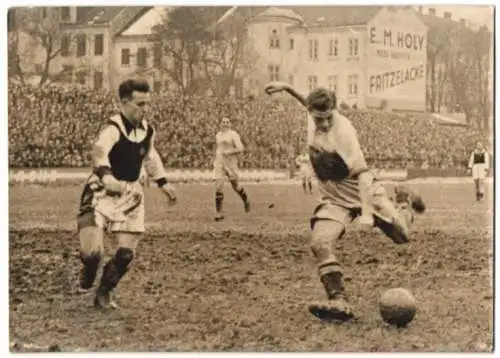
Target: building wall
90, 63
365, 68
396, 61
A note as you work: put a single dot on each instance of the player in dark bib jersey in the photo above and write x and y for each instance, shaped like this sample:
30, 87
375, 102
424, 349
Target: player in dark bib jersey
112, 199
347, 190
478, 167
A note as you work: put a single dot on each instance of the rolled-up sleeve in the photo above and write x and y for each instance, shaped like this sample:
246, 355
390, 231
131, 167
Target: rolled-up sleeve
153, 163
108, 137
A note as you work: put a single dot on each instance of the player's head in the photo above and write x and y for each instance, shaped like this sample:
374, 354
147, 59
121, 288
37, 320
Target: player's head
320, 104
479, 146
225, 123
134, 98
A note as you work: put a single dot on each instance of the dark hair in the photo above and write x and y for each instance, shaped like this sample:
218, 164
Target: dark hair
127, 87
321, 99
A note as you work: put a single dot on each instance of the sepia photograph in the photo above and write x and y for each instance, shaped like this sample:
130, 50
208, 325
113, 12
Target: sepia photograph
280, 178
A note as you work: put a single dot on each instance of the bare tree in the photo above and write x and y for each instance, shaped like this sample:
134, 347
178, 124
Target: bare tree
437, 52
34, 44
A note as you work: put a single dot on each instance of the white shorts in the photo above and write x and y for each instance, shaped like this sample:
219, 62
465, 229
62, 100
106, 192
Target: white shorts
479, 171
305, 171
226, 170
87, 216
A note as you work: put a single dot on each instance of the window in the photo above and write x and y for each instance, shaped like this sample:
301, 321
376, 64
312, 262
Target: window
352, 83
65, 42
274, 73
313, 82
157, 86
81, 45
313, 49
292, 44
157, 56
80, 77
274, 41
142, 57
65, 13
332, 83
125, 56
333, 48
99, 45
98, 80
353, 46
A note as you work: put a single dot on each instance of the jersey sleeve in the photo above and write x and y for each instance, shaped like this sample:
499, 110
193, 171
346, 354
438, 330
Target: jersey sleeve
107, 138
237, 140
153, 163
471, 160
349, 147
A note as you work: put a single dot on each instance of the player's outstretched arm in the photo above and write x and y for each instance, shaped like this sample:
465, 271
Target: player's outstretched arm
101, 166
155, 169
274, 87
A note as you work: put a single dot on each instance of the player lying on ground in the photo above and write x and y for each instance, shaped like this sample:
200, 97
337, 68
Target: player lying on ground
112, 198
304, 164
478, 166
348, 190
228, 146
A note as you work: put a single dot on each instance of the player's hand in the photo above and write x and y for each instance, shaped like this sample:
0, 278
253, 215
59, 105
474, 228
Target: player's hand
113, 185
366, 222
169, 191
274, 87
469, 171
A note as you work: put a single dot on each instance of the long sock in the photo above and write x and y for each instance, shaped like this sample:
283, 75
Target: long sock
219, 198
243, 195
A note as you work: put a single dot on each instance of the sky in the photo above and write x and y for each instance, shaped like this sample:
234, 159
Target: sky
479, 15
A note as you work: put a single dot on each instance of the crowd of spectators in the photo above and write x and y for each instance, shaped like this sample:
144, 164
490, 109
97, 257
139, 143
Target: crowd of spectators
55, 127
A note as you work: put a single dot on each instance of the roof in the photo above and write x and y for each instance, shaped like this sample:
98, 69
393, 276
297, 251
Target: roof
281, 12
337, 15
96, 14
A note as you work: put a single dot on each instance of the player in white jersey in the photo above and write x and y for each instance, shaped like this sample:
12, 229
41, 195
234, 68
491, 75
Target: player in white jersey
303, 162
478, 167
348, 190
228, 147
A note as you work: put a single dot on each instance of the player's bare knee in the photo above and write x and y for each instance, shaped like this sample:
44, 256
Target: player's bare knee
91, 241
324, 235
219, 186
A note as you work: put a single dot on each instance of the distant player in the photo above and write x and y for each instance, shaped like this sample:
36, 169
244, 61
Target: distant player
304, 164
348, 191
228, 147
112, 198
478, 166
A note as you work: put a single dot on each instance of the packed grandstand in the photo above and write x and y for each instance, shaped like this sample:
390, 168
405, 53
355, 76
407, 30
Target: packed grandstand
51, 127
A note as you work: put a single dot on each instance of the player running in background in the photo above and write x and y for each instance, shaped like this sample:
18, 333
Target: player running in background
478, 167
228, 146
112, 198
304, 164
348, 190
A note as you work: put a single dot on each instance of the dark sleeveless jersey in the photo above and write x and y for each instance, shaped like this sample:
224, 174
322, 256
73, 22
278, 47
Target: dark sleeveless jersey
479, 158
328, 166
126, 156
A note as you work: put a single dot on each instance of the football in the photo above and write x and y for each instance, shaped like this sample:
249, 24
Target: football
397, 307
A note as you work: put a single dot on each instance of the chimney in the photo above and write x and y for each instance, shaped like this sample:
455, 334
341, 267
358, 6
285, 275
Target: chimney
447, 15
432, 11
462, 22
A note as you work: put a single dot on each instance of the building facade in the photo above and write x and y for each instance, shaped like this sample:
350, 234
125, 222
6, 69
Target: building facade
377, 60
